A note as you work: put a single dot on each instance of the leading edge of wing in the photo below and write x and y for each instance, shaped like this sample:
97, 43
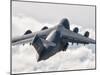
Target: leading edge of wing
22, 39
29, 37
73, 37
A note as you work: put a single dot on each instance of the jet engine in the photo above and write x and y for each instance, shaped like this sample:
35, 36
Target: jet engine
76, 30
65, 23
86, 34
27, 32
45, 27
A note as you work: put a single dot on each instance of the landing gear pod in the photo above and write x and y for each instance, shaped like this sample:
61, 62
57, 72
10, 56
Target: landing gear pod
65, 47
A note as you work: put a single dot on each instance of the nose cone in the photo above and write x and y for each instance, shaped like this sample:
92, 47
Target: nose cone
65, 23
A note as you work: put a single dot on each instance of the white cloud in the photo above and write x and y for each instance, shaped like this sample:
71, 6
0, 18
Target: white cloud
20, 24
24, 57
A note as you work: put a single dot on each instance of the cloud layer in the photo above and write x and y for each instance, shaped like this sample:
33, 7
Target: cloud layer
24, 58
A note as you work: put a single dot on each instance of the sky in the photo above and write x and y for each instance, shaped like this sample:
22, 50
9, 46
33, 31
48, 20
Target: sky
27, 15
53, 13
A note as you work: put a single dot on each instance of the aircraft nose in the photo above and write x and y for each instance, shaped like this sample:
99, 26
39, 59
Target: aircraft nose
65, 23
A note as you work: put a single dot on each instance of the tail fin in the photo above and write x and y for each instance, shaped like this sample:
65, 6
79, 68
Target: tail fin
38, 44
41, 44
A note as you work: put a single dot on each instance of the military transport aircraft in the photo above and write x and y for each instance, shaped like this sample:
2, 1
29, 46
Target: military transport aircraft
49, 41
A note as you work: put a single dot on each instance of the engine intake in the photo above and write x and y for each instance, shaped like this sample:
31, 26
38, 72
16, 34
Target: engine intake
76, 30
86, 34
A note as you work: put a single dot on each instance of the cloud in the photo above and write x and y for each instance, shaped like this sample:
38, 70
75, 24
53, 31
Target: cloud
24, 58
20, 24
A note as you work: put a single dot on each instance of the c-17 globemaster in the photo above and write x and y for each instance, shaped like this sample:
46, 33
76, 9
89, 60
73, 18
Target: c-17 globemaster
49, 41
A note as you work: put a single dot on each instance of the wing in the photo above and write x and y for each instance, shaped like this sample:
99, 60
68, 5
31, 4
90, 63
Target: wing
22, 39
73, 37
29, 37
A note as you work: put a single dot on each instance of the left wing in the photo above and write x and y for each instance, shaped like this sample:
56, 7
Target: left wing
73, 37
28, 38
22, 39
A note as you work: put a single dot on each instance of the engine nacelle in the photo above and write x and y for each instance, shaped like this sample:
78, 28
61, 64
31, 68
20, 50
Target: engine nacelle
27, 32
76, 30
65, 23
45, 27
86, 34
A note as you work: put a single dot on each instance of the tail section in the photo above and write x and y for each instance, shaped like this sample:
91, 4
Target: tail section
38, 44
42, 45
